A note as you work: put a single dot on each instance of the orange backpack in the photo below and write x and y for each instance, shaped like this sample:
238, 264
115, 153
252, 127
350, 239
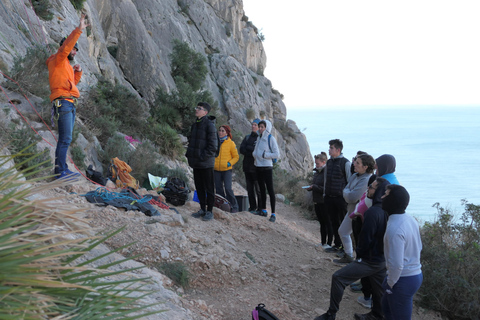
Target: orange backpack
120, 174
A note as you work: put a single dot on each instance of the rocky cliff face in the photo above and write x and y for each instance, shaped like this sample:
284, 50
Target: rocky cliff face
141, 32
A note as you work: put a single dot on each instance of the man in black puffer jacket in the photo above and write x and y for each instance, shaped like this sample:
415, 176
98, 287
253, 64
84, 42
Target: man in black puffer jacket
370, 260
201, 153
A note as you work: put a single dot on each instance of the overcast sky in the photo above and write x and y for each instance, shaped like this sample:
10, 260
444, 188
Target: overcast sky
371, 53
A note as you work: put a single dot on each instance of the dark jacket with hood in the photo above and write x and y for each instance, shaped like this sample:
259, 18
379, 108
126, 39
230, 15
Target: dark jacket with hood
386, 167
318, 184
246, 148
370, 240
202, 144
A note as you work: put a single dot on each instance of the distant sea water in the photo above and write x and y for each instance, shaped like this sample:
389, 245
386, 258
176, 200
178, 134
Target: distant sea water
437, 148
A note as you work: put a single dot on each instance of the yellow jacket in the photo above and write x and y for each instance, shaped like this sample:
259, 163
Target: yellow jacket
228, 153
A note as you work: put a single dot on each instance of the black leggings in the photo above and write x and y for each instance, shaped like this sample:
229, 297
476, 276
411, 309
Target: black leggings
265, 178
326, 232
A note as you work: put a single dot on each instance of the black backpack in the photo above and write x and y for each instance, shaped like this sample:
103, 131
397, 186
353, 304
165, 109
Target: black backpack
260, 313
176, 191
95, 176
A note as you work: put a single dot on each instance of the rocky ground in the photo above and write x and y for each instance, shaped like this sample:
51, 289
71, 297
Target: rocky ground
236, 261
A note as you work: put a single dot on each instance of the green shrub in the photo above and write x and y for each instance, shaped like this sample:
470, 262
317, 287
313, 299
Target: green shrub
167, 140
77, 4
112, 108
31, 72
116, 146
177, 271
23, 142
78, 156
450, 263
113, 50
188, 64
160, 170
250, 113
142, 160
42, 9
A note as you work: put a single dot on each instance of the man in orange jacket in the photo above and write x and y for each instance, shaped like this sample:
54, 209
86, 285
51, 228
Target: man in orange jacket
63, 79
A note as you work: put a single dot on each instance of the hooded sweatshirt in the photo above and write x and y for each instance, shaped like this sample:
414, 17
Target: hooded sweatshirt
354, 190
402, 241
263, 153
386, 167
370, 240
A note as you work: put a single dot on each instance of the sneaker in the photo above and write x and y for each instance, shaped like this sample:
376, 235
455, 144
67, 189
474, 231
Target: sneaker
366, 316
68, 175
272, 218
333, 249
262, 213
208, 216
367, 303
326, 316
345, 260
341, 253
253, 212
356, 287
234, 211
200, 213
326, 246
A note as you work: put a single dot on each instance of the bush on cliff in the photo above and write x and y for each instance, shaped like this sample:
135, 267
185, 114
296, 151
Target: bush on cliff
450, 263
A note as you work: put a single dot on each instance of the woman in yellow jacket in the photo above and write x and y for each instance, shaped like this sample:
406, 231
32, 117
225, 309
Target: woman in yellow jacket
227, 157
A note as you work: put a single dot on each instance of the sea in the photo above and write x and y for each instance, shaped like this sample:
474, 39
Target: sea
437, 149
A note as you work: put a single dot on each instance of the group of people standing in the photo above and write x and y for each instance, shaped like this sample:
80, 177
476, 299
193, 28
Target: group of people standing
213, 154
352, 202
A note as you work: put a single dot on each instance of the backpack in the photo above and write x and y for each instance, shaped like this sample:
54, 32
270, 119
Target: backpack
119, 172
222, 203
176, 191
95, 176
260, 313
270, 147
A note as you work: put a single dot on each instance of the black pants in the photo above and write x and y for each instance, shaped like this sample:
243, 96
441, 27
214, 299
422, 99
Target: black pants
253, 190
205, 185
375, 272
265, 178
336, 208
326, 232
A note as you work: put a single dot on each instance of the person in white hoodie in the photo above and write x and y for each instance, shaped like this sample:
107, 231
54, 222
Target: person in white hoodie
265, 153
402, 247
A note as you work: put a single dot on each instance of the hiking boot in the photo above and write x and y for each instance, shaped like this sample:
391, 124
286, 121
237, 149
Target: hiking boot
341, 253
345, 260
326, 316
272, 218
200, 213
367, 316
255, 212
366, 302
333, 249
234, 210
208, 216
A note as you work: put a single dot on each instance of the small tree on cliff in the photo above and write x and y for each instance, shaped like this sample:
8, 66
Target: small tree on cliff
189, 71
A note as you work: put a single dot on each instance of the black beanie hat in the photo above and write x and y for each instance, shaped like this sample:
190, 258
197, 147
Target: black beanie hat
397, 200
205, 105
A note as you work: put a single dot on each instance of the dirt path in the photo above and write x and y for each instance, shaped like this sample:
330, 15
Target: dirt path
236, 261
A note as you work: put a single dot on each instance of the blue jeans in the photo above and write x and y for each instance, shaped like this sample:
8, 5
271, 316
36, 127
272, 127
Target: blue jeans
223, 186
398, 305
66, 120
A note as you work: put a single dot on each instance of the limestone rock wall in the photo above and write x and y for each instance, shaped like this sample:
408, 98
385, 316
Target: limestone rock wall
142, 31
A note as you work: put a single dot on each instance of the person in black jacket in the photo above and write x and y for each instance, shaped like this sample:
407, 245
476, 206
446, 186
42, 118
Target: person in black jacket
246, 148
318, 193
370, 260
201, 152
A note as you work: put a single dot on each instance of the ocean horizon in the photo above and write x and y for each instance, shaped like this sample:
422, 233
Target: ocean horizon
435, 148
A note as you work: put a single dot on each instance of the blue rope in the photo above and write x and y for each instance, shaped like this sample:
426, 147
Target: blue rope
107, 195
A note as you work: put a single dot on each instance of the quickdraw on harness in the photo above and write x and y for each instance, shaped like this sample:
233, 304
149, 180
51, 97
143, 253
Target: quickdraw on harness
57, 103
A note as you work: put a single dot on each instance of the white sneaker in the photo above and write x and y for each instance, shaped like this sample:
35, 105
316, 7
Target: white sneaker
367, 303
326, 246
